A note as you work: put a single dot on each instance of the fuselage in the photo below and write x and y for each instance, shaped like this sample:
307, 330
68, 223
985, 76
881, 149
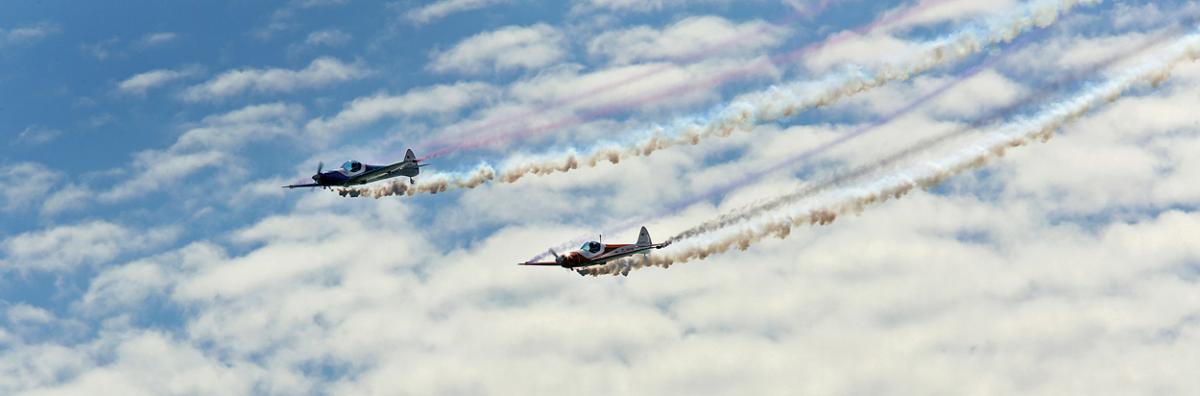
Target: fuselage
354, 173
595, 253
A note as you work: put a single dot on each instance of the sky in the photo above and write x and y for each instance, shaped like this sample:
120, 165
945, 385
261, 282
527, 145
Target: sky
864, 197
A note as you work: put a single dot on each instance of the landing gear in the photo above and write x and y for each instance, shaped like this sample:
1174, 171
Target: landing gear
411, 181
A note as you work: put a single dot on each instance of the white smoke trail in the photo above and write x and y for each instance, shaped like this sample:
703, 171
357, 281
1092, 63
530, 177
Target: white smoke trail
994, 146
777, 102
810, 189
429, 185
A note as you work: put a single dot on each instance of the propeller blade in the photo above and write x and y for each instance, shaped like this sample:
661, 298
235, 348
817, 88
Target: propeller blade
557, 259
320, 166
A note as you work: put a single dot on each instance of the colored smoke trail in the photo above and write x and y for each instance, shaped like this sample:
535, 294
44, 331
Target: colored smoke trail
447, 145
751, 211
806, 155
899, 184
770, 105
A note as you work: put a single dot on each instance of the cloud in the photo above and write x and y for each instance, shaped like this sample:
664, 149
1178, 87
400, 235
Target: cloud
438, 99
157, 39
67, 198
139, 83
318, 3
507, 48
65, 248
284, 18
26, 34
237, 127
113, 364
704, 36
206, 145
582, 7
321, 72
153, 170
443, 8
20, 192
35, 135
327, 38
133, 283
101, 50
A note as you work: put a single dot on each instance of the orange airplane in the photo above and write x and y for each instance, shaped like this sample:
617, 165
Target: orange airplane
596, 253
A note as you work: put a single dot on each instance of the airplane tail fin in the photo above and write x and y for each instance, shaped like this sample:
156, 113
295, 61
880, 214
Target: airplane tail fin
409, 156
644, 238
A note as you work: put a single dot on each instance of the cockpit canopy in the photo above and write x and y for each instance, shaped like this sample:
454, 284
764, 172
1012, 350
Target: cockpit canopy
352, 166
591, 247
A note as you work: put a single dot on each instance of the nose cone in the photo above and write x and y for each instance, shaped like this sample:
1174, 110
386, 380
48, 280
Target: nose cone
317, 178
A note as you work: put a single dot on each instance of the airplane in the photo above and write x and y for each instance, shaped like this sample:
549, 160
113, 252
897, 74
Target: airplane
596, 253
355, 173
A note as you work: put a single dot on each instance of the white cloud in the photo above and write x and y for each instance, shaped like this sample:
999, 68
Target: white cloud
438, 99
20, 192
152, 170
319, 3
207, 145
37, 135
321, 72
443, 8
870, 50
101, 50
134, 363
65, 248
582, 7
327, 38
139, 83
507, 48
237, 127
284, 18
68, 198
705, 36
26, 34
24, 313
157, 39
131, 284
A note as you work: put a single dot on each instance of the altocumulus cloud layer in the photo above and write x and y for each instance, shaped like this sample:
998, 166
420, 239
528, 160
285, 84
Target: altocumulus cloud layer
177, 266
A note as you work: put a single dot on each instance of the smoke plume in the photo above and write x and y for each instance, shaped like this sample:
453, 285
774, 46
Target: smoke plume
777, 102
828, 207
810, 189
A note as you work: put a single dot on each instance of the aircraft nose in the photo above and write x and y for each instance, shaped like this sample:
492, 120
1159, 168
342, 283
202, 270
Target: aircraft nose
317, 178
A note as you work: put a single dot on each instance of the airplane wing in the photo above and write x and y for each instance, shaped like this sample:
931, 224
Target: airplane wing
301, 185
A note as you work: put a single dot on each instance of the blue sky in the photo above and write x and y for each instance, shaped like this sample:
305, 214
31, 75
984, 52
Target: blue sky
144, 223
